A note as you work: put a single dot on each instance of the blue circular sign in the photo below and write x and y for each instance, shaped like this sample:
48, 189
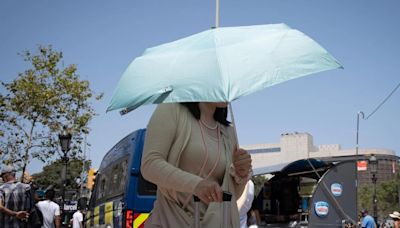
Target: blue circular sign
336, 189
321, 208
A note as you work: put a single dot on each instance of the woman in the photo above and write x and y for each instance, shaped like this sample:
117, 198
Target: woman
190, 149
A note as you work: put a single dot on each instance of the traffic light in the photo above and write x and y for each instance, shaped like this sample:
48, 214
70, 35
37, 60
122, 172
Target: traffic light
91, 178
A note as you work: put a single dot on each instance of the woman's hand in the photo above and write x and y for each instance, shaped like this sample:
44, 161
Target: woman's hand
208, 191
242, 162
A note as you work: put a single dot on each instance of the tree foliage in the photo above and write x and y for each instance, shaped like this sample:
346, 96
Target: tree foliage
387, 195
41, 102
258, 183
50, 176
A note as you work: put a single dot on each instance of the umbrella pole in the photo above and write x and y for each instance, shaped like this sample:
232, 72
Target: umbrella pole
216, 13
234, 125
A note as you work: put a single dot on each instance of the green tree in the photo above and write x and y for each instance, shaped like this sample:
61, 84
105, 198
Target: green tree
386, 195
365, 197
50, 176
42, 101
258, 183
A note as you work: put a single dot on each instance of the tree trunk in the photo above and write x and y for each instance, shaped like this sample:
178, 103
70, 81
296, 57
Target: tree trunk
26, 156
25, 160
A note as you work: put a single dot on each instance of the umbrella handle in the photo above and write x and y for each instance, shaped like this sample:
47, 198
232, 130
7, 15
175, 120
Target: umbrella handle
196, 211
234, 125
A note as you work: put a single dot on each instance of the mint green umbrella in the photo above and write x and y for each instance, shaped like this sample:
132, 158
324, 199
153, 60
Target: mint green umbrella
219, 65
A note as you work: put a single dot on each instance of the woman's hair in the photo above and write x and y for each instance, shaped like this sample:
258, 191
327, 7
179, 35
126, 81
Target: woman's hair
220, 114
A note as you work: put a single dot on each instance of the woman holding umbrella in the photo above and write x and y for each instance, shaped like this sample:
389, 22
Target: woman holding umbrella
190, 149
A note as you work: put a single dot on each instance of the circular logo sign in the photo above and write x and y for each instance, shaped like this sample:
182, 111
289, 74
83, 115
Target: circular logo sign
336, 189
321, 208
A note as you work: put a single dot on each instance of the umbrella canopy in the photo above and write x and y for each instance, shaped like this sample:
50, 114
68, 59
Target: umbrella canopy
219, 65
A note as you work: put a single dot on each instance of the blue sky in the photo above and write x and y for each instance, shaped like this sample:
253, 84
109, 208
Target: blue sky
103, 37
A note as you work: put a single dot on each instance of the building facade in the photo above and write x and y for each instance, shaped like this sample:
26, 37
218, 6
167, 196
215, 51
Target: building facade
295, 146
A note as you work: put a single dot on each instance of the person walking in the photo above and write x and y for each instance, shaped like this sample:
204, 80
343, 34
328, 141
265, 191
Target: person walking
367, 221
15, 200
396, 218
244, 203
77, 219
190, 149
50, 210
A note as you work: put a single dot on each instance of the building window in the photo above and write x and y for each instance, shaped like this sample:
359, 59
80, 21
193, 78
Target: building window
265, 150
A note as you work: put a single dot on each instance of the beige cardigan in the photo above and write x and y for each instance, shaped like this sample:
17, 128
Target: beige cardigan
168, 132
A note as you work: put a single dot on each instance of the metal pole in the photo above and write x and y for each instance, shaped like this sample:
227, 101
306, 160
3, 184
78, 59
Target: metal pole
66, 174
216, 13
63, 177
196, 212
65, 159
83, 167
227, 197
234, 125
356, 181
358, 127
374, 199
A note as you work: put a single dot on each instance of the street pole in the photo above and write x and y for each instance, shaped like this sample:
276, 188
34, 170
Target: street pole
373, 165
375, 208
84, 169
358, 127
360, 113
64, 176
65, 141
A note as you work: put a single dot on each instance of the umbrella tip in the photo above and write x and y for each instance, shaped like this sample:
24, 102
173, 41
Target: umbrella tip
123, 111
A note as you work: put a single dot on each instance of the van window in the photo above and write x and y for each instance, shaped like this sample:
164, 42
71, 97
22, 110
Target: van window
145, 187
122, 171
102, 190
111, 181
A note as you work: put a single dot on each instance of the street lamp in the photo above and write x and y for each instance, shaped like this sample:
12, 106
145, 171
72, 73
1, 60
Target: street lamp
65, 141
373, 165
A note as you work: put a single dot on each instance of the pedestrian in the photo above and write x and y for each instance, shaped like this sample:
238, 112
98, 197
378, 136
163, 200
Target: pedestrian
254, 218
50, 210
396, 218
190, 149
15, 200
367, 221
77, 219
244, 203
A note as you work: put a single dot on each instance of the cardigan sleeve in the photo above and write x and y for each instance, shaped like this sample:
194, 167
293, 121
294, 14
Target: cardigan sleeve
160, 136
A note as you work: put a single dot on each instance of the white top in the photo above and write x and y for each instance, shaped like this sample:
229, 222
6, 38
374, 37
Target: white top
77, 218
49, 210
244, 203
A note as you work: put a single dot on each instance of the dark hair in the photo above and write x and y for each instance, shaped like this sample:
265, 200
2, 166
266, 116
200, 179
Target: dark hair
220, 114
50, 194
